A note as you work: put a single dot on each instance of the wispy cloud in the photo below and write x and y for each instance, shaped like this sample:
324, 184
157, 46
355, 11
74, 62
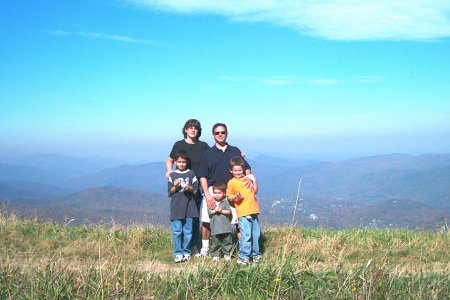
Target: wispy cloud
290, 80
324, 81
416, 20
273, 81
120, 38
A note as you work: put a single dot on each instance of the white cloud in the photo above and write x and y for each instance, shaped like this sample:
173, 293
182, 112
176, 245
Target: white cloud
96, 35
330, 19
290, 80
324, 81
272, 81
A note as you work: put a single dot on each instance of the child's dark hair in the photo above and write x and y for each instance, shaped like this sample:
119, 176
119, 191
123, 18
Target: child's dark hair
192, 123
181, 154
237, 161
220, 186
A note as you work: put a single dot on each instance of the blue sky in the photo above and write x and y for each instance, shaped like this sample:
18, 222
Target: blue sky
314, 79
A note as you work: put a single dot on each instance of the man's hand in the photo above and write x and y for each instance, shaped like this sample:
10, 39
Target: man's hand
249, 180
210, 201
168, 174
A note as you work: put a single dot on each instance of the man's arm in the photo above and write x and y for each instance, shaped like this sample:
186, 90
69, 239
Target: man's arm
255, 187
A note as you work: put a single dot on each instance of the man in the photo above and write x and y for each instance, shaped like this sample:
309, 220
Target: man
215, 167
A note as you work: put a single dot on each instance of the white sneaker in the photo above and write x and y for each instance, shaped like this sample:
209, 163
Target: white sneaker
215, 258
227, 257
257, 258
243, 262
178, 258
186, 257
203, 253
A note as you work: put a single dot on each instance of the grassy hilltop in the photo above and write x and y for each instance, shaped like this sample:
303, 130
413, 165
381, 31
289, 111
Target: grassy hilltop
51, 261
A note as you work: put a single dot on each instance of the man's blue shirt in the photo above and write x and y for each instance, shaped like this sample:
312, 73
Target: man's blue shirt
215, 164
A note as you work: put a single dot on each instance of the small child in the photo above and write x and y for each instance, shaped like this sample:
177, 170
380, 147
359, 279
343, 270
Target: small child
247, 211
220, 218
183, 186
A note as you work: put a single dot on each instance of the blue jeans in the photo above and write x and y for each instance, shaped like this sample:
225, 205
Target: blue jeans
181, 235
250, 232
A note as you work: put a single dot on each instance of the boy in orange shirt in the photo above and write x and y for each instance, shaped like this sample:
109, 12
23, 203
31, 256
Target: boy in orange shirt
247, 211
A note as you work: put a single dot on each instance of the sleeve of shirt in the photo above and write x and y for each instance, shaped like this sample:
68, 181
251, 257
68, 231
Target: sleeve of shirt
247, 166
174, 150
209, 212
169, 184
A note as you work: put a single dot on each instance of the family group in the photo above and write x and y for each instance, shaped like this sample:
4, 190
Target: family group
213, 186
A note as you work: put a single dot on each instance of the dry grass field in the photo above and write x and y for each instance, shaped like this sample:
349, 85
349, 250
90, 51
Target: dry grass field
53, 261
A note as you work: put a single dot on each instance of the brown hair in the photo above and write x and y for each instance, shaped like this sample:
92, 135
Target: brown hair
220, 186
237, 161
192, 123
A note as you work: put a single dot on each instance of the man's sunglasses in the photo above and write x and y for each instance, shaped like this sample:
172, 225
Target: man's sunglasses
220, 132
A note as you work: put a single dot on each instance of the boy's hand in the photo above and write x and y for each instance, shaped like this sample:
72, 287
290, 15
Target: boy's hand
238, 197
218, 209
189, 188
176, 182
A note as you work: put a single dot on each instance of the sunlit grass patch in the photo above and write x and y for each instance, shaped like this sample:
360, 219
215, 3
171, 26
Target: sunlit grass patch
51, 261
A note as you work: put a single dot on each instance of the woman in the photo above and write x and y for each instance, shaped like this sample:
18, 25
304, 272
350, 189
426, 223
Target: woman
194, 148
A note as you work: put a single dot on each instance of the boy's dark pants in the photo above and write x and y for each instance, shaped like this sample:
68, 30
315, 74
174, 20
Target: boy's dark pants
221, 244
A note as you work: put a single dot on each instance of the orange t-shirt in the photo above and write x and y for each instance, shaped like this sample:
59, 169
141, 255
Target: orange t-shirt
248, 205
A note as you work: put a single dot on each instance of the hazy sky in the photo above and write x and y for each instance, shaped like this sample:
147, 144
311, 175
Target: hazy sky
313, 79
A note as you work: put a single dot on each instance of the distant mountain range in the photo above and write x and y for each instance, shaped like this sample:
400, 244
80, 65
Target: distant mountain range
99, 204
424, 178
356, 192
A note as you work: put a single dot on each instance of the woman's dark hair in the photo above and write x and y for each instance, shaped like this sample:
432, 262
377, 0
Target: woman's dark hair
192, 123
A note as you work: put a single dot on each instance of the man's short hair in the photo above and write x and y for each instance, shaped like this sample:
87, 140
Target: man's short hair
237, 161
192, 123
217, 125
220, 186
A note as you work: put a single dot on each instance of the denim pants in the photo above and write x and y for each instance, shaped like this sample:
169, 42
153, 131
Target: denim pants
181, 235
250, 232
